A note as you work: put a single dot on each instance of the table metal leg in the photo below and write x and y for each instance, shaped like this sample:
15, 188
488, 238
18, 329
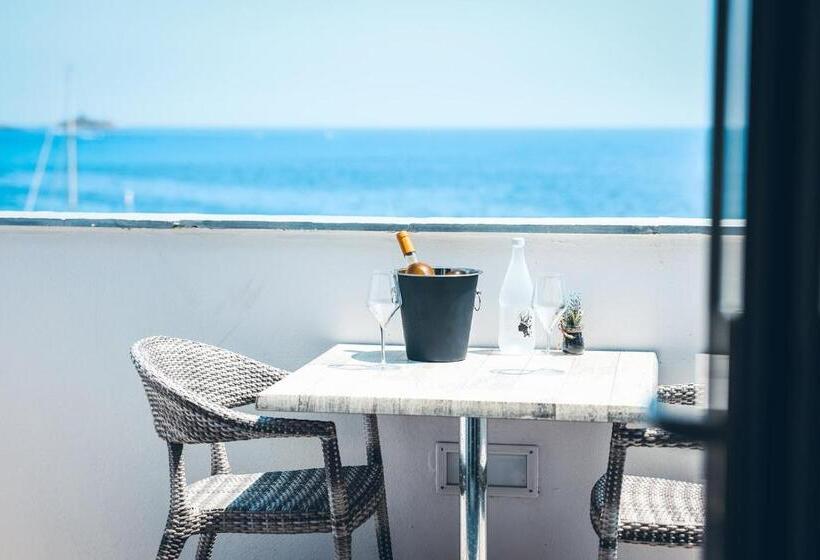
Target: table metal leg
472, 477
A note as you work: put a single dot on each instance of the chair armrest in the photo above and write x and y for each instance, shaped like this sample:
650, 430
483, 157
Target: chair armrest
701, 424
653, 437
251, 426
190, 419
206, 422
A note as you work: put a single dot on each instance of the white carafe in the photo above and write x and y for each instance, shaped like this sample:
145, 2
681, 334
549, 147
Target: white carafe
516, 320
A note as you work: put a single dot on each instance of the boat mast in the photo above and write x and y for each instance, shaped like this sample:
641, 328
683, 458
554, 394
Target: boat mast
69, 126
39, 171
70, 146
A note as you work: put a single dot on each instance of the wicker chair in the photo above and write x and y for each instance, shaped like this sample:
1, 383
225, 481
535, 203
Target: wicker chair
192, 389
644, 510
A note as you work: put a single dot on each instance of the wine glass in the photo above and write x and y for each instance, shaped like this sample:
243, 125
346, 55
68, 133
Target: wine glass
383, 300
549, 301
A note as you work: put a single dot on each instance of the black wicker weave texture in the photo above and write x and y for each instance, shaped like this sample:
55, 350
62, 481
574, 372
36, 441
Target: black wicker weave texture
644, 510
192, 389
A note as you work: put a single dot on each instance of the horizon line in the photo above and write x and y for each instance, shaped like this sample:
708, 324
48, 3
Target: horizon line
348, 127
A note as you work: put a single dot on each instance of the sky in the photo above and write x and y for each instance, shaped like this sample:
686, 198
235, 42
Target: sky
414, 63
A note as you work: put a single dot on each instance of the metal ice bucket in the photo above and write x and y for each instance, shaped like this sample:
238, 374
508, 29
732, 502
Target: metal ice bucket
437, 313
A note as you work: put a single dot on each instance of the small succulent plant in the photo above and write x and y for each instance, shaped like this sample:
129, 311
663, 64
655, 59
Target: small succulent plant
572, 325
572, 320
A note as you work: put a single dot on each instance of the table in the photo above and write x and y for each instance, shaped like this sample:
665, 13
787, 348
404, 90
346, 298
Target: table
593, 387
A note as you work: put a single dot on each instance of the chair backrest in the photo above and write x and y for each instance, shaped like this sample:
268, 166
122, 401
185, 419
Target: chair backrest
190, 386
684, 393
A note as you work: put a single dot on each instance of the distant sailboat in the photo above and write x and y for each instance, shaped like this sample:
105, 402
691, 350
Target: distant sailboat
67, 128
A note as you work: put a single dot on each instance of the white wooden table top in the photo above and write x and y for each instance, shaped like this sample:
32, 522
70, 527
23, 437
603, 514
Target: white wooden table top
593, 387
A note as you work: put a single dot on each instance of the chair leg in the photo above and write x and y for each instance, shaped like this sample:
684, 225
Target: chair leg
383, 531
170, 548
206, 546
607, 549
343, 546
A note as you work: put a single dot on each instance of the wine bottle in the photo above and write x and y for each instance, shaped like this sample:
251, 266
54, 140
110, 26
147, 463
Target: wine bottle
515, 323
414, 265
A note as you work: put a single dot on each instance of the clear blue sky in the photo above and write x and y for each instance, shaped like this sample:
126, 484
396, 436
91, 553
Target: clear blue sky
541, 63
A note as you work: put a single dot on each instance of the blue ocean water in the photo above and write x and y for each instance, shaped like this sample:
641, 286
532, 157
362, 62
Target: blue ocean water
476, 173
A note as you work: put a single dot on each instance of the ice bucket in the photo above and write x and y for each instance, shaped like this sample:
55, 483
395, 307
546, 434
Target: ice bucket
437, 313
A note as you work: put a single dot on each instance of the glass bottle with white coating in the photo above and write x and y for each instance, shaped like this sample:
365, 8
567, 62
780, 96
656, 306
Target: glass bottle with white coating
516, 334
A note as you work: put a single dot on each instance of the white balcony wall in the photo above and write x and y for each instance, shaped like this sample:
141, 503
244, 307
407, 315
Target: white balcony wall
84, 476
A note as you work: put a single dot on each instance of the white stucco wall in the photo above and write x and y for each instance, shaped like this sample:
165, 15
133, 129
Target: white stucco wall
84, 475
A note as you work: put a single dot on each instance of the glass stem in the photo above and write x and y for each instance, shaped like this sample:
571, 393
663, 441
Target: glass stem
384, 358
550, 336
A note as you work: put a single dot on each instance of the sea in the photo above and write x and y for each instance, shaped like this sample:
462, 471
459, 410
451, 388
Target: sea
368, 172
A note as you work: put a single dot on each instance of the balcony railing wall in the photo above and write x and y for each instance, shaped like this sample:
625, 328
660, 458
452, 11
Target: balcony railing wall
85, 476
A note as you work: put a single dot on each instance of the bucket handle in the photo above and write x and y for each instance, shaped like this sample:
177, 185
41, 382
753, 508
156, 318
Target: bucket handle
477, 303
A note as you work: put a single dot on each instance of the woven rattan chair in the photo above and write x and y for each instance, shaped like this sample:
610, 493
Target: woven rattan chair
192, 389
644, 510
